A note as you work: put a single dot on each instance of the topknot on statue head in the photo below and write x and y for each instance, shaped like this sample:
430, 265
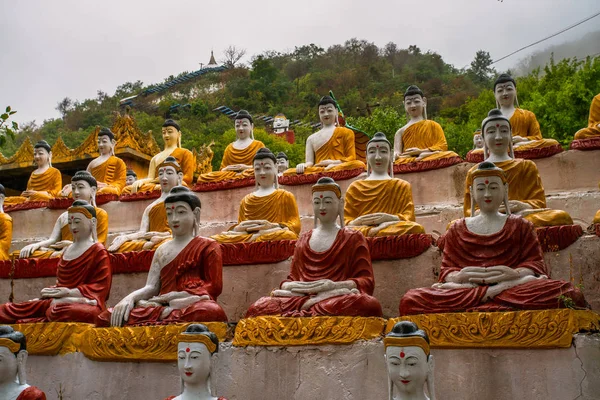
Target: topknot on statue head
281, 154
412, 90
20, 341
379, 137
83, 206
106, 132
493, 115
243, 114
170, 122
182, 193
44, 145
170, 161
85, 176
503, 78
263, 153
200, 329
326, 183
327, 100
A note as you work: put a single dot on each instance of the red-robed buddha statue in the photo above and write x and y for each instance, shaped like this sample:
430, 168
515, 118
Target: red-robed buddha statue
331, 272
492, 261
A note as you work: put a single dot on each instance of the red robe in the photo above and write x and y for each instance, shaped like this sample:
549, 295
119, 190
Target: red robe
197, 270
31, 393
515, 246
90, 273
347, 259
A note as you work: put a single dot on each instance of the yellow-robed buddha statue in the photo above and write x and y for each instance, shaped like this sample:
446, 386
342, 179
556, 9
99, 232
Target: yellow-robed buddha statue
45, 183
109, 171
269, 213
5, 228
380, 205
238, 156
330, 149
593, 129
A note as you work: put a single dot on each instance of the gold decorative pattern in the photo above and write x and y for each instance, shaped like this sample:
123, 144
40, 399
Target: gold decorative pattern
287, 331
203, 158
60, 151
52, 338
515, 329
128, 135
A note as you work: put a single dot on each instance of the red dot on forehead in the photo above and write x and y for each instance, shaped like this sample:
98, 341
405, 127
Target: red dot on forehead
321, 196
377, 145
172, 207
187, 350
486, 181
402, 354
497, 125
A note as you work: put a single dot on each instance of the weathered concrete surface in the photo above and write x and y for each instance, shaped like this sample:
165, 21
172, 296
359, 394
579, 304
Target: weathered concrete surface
571, 170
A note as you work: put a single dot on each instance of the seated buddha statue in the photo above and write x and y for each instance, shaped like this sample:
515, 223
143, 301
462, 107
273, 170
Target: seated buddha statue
185, 277
130, 177
283, 163
331, 272
268, 213
5, 228
171, 133
526, 133
420, 139
526, 194
83, 187
238, 156
195, 347
409, 363
83, 278
331, 148
45, 181
154, 228
476, 154
13, 374
492, 261
593, 129
380, 205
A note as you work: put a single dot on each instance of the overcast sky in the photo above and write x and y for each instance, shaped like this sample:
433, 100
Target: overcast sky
57, 49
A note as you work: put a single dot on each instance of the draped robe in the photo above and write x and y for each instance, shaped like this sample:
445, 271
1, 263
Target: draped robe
391, 196
523, 123
279, 207
515, 246
31, 393
425, 134
233, 156
113, 172
592, 130
348, 258
49, 181
5, 236
90, 273
158, 223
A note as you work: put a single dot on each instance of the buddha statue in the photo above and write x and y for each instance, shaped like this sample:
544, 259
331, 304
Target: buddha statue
83, 187
109, 171
154, 228
478, 140
45, 181
83, 278
409, 364
268, 213
238, 156
280, 123
195, 347
526, 193
331, 148
283, 163
476, 154
13, 371
171, 133
593, 129
331, 272
420, 139
5, 228
492, 261
380, 205
130, 177
185, 277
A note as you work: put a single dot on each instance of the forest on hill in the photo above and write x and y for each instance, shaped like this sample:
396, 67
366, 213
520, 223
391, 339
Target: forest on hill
368, 81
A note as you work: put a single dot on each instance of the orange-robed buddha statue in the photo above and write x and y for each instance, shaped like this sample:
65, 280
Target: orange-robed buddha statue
331, 272
491, 262
330, 149
269, 213
83, 278
171, 133
185, 277
109, 171
589, 138
238, 156
380, 205
5, 228
45, 183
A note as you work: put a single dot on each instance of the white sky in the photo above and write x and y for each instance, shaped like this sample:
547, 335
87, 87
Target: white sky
57, 49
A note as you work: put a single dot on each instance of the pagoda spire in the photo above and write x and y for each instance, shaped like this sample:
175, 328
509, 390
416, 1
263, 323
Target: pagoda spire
212, 59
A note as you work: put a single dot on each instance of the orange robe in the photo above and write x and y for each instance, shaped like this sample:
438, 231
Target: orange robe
515, 246
197, 270
233, 156
31, 393
5, 236
592, 130
597, 217
523, 123
112, 172
50, 181
279, 207
425, 134
339, 147
392, 196
348, 258
524, 184
158, 223
90, 273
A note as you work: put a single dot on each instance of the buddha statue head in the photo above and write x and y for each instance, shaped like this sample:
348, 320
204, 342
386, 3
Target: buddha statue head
84, 187
195, 347
82, 221
280, 123
328, 113
265, 170
328, 204
42, 154
497, 135
2, 197
183, 211
489, 188
477, 140
409, 363
244, 125
505, 91
131, 177
169, 174
171, 133
106, 142
283, 162
379, 155
13, 357
415, 104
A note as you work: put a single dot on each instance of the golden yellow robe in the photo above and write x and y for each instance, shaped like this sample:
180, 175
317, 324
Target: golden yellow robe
5, 236
425, 134
158, 223
523, 123
524, 184
391, 196
592, 130
50, 181
339, 147
233, 156
112, 172
597, 217
279, 207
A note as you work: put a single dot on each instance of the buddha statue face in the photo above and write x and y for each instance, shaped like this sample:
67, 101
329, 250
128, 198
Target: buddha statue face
478, 141
414, 105
82, 190
265, 172
488, 192
379, 157
41, 157
326, 206
105, 145
505, 94
171, 136
280, 122
81, 227
130, 179
328, 114
8, 366
497, 136
193, 362
243, 128
181, 218
282, 164
168, 178
408, 368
